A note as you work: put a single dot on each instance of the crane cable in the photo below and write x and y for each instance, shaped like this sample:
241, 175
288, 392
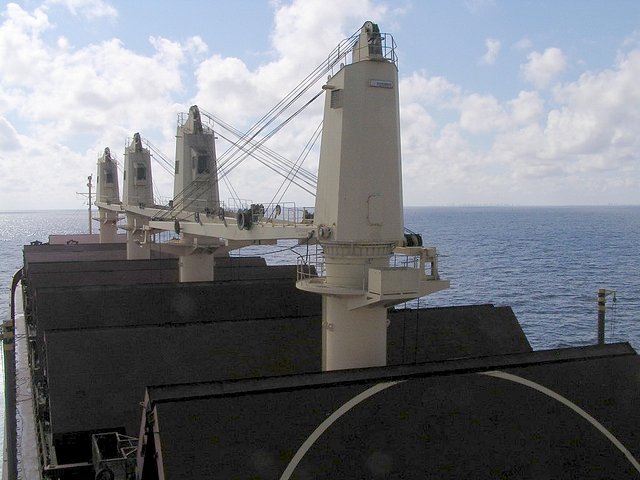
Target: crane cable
231, 155
268, 155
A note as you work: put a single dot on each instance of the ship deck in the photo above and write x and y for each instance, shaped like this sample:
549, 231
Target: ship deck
230, 369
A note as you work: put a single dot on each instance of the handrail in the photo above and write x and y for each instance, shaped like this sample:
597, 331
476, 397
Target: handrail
17, 278
9, 353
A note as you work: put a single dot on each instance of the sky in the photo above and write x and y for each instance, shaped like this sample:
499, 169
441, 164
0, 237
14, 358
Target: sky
502, 102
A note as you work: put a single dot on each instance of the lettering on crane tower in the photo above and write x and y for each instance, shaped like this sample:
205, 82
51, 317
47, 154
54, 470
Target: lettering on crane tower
381, 83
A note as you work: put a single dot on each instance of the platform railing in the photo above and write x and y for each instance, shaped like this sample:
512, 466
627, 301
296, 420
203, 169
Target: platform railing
314, 269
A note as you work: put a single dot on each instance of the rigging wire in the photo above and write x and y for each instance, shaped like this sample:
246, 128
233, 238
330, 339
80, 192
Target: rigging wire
283, 171
263, 149
247, 143
161, 160
334, 58
286, 183
224, 170
190, 190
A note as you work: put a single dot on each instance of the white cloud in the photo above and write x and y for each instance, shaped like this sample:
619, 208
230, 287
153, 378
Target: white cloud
81, 89
593, 130
599, 114
82, 96
89, 9
527, 153
196, 46
420, 87
22, 52
632, 40
79, 97
527, 108
60, 105
482, 113
419, 128
297, 47
522, 44
493, 48
542, 68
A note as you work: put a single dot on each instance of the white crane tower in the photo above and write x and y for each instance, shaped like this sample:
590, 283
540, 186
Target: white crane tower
359, 212
108, 192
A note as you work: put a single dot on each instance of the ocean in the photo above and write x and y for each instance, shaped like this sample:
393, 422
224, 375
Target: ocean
547, 263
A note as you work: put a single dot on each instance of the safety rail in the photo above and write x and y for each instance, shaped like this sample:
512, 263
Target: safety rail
385, 48
114, 455
207, 122
417, 258
276, 214
316, 273
423, 258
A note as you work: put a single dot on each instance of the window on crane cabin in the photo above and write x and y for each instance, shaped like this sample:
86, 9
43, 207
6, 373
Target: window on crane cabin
203, 164
200, 162
141, 174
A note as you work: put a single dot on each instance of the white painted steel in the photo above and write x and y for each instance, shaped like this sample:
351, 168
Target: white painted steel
196, 267
138, 181
359, 209
137, 246
195, 185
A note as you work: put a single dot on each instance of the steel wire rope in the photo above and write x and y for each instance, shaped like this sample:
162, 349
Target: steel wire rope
281, 170
234, 162
334, 57
268, 120
160, 157
162, 161
195, 188
311, 79
265, 162
294, 172
267, 151
312, 178
156, 191
222, 174
273, 132
178, 198
292, 249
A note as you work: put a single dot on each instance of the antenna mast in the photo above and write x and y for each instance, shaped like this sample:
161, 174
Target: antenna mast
603, 293
89, 197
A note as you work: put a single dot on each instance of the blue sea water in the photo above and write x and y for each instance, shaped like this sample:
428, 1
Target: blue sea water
547, 263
